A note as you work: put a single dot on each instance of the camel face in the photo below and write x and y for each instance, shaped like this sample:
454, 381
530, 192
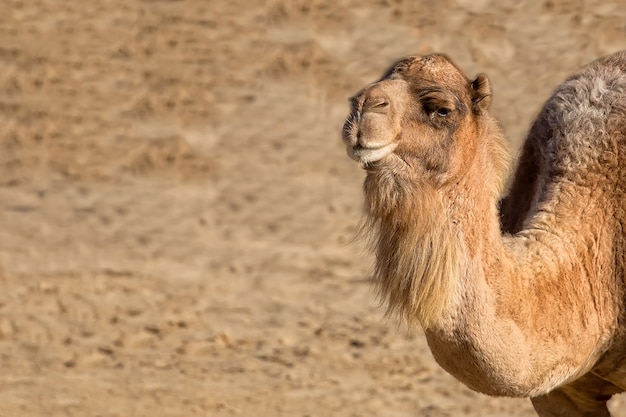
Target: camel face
418, 113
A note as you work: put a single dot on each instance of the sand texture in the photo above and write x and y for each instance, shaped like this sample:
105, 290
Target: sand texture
177, 209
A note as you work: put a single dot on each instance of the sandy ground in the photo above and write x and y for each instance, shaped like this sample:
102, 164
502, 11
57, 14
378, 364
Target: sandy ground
176, 207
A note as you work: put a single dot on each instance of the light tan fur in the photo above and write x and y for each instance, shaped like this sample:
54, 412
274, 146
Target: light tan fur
538, 313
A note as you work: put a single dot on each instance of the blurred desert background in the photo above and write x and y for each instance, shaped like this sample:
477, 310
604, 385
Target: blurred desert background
176, 206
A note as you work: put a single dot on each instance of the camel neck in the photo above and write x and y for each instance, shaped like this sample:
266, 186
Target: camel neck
523, 301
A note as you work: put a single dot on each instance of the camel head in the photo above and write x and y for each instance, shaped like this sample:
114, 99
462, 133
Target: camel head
421, 116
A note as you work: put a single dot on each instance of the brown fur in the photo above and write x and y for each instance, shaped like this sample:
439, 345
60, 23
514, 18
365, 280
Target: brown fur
415, 261
525, 315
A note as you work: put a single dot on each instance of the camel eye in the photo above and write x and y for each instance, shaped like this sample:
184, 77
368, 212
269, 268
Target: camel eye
437, 108
443, 112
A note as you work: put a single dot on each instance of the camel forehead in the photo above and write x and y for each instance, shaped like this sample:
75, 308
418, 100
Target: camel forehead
435, 69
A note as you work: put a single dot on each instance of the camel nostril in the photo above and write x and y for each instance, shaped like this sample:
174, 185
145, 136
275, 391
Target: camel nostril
377, 105
380, 105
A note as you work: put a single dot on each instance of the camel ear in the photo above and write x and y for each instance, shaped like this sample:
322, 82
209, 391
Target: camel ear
481, 94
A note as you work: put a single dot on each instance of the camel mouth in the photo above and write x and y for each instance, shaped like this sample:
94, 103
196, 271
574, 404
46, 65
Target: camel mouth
368, 154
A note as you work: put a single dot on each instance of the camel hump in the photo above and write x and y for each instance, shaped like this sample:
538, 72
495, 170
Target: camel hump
599, 85
617, 59
581, 127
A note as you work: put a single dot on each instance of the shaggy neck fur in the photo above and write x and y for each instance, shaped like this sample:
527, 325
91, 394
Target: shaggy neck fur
416, 254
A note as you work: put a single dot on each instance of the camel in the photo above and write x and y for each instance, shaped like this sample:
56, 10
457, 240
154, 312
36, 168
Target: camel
523, 298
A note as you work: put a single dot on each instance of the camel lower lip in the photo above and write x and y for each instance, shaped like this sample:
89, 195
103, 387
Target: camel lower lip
370, 154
